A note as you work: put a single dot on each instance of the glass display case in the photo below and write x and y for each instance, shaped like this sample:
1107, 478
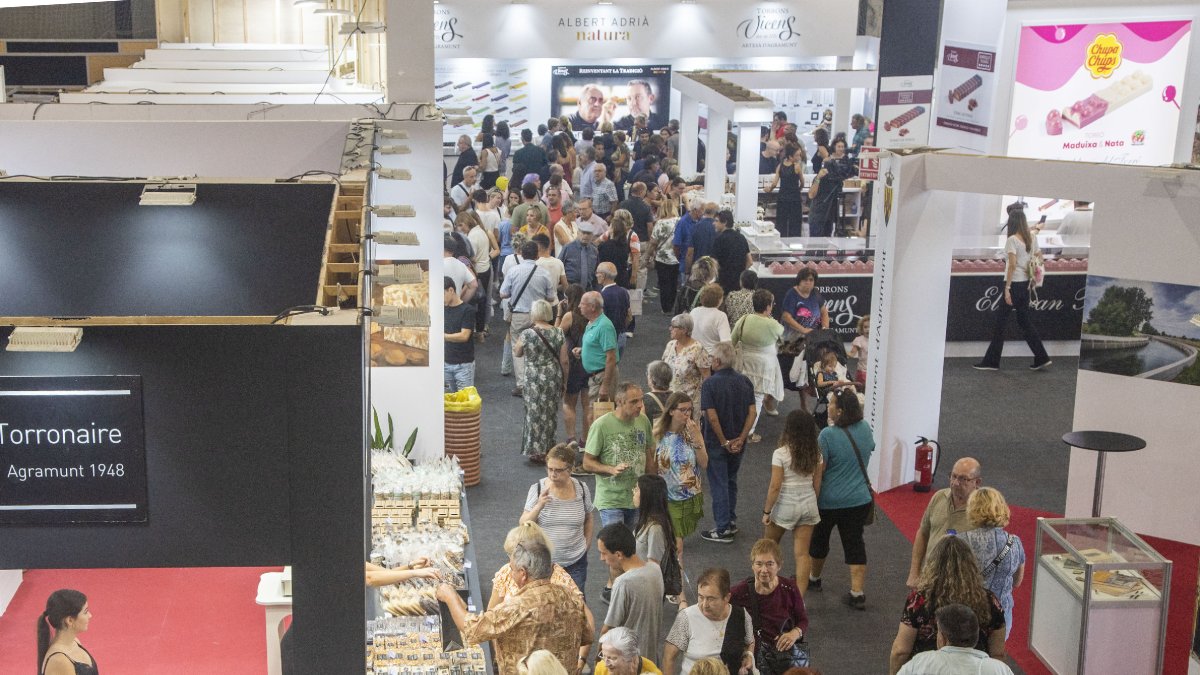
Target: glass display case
1100, 598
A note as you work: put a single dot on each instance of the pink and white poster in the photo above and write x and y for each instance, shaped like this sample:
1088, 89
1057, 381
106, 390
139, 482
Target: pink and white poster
1103, 92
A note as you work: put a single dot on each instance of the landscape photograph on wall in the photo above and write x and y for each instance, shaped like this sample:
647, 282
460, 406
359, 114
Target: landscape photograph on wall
1143, 329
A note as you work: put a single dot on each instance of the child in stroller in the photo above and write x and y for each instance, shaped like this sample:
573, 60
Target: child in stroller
821, 368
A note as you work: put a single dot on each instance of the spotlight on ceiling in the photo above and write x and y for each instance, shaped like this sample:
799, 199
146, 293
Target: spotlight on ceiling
44, 339
169, 194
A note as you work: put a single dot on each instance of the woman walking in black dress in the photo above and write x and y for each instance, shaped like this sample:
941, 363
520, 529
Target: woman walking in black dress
789, 177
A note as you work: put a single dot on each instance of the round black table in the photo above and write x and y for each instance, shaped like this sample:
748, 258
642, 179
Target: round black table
1103, 442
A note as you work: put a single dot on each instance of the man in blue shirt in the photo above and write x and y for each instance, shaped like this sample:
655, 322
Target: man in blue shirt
683, 234
727, 402
580, 256
704, 233
522, 285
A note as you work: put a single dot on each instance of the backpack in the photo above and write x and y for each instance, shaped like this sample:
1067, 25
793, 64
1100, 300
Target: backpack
672, 573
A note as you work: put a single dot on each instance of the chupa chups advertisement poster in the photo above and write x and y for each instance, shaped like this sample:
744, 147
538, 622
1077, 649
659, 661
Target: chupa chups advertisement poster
591, 95
1105, 92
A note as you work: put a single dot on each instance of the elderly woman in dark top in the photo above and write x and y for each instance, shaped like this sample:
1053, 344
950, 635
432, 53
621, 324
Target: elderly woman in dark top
774, 603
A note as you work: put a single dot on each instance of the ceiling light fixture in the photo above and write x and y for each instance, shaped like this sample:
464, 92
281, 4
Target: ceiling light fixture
329, 11
44, 339
168, 194
302, 3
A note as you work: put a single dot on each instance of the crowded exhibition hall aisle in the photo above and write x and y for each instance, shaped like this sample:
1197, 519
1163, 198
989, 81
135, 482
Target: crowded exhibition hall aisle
842, 640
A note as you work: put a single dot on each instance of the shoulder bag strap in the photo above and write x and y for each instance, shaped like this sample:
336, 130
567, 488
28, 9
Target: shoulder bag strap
858, 456
512, 303
992, 566
546, 342
657, 400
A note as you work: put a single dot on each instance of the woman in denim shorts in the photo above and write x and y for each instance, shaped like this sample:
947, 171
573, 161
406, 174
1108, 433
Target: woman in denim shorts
796, 468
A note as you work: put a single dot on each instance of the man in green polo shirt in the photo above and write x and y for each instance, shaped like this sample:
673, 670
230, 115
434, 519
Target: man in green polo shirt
598, 351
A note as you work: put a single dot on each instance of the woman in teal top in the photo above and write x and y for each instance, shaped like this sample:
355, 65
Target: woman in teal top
845, 499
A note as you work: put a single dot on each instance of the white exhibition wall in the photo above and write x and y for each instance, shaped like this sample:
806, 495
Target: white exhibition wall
1144, 229
413, 395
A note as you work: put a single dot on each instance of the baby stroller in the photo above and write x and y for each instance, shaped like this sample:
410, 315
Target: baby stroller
819, 343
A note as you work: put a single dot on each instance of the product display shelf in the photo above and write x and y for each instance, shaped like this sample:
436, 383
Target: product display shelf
451, 638
1100, 598
341, 267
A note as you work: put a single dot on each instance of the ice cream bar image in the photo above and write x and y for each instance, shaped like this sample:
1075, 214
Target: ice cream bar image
518, 72
461, 85
963, 90
905, 118
445, 98
1108, 99
519, 123
519, 85
499, 110
479, 110
480, 98
518, 110
519, 97
447, 83
1047, 205
482, 84
502, 84
500, 97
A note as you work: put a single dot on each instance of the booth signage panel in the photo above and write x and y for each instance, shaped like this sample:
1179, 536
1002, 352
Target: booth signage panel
1057, 314
72, 450
592, 95
966, 86
1102, 92
653, 29
905, 105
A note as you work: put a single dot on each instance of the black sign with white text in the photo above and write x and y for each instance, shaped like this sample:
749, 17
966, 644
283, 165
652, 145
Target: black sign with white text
72, 450
1057, 313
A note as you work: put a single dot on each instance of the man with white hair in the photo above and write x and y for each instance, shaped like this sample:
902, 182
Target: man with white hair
598, 350
727, 402
616, 301
522, 285
683, 234
460, 194
591, 105
604, 191
541, 615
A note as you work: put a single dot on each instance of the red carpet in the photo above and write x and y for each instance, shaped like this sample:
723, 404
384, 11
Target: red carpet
904, 507
147, 621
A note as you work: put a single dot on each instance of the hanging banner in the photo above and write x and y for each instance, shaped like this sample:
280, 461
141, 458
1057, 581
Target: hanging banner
1104, 92
652, 29
592, 95
966, 86
904, 111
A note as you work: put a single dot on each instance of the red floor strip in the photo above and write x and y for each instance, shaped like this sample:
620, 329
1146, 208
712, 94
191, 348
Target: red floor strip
202, 621
904, 507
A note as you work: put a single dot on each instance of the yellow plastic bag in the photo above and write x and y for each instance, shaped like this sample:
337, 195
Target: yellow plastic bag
464, 401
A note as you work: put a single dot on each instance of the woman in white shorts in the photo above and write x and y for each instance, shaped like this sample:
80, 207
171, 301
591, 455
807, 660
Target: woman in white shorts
796, 468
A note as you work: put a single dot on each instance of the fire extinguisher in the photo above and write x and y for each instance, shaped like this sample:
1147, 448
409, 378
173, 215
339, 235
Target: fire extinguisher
927, 462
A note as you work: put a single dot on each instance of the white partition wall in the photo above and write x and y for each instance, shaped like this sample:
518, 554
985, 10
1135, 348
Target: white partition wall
1144, 229
413, 394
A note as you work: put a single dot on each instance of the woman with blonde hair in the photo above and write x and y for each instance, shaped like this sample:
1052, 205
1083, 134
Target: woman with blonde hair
950, 576
709, 666
663, 253
1000, 555
503, 584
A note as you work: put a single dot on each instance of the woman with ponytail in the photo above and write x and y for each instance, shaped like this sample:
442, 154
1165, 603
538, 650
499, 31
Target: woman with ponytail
67, 615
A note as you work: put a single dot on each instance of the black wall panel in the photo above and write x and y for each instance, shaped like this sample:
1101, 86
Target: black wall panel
62, 47
89, 249
254, 441
45, 71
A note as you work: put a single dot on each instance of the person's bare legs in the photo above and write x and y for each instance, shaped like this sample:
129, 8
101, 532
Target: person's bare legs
773, 532
858, 578
801, 538
770, 404
586, 400
818, 564
568, 407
